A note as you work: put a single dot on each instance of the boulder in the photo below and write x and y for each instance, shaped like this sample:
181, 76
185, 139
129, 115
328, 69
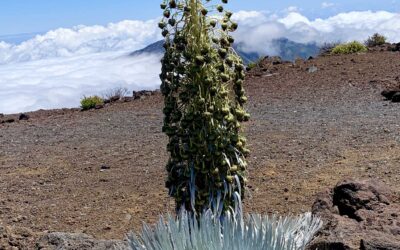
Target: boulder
358, 215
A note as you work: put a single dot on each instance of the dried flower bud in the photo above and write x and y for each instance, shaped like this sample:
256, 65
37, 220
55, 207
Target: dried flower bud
161, 25
172, 22
165, 33
172, 4
213, 23
167, 13
234, 26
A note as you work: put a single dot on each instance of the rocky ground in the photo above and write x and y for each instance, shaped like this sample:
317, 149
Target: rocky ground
101, 172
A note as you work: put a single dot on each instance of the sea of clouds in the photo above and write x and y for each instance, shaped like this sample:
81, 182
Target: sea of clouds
56, 69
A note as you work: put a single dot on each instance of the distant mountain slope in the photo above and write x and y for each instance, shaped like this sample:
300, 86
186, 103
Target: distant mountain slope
156, 48
291, 50
288, 50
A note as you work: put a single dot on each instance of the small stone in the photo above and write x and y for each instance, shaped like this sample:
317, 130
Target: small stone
23, 117
128, 217
312, 69
105, 167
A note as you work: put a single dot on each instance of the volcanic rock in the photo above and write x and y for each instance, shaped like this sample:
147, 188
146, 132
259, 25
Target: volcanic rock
388, 94
142, 94
23, 117
396, 97
114, 98
358, 215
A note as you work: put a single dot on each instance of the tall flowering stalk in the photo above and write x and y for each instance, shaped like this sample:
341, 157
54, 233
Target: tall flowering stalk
202, 83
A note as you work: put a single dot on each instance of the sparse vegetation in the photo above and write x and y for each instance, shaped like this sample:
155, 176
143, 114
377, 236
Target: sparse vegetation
91, 102
375, 40
349, 48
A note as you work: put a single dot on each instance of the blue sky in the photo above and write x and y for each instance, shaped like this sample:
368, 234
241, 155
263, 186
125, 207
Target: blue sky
29, 16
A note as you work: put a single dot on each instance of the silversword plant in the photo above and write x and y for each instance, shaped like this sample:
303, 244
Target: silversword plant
254, 232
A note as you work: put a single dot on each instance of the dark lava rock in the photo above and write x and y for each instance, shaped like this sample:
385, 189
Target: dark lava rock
127, 99
105, 167
388, 94
358, 215
394, 47
142, 94
99, 106
11, 120
114, 98
274, 60
72, 241
23, 117
396, 97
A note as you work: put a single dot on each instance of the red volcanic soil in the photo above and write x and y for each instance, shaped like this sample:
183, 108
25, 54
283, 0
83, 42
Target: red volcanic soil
101, 172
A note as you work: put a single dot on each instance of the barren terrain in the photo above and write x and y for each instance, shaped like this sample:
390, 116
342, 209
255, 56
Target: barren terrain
102, 172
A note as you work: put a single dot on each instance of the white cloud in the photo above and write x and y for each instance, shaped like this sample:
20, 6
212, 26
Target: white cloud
61, 82
56, 69
257, 30
326, 5
81, 40
292, 9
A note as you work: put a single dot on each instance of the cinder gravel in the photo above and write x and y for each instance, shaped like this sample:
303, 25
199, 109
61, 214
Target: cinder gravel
308, 131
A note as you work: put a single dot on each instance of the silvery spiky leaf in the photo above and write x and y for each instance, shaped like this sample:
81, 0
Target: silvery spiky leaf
232, 232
